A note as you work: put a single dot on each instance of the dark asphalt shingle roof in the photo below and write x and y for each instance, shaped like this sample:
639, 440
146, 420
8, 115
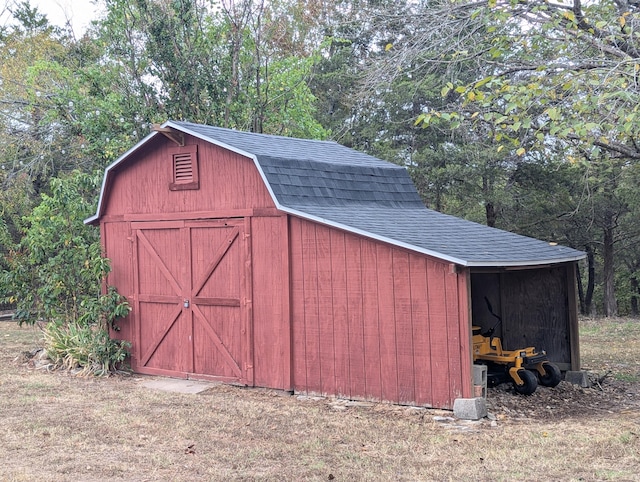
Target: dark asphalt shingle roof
338, 186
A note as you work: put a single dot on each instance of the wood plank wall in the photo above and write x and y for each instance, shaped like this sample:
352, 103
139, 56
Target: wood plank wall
537, 307
375, 322
116, 242
545, 321
270, 299
228, 181
333, 313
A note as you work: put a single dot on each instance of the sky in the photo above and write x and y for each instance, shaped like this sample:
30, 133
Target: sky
79, 12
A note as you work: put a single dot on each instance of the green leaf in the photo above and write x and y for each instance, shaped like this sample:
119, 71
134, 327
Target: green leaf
553, 113
482, 82
511, 106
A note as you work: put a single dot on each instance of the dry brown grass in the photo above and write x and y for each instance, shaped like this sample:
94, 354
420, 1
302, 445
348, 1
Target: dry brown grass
613, 346
54, 426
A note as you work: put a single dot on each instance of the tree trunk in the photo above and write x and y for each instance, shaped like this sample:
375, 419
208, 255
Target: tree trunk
586, 298
491, 213
634, 295
591, 281
260, 106
610, 303
580, 290
489, 208
233, 84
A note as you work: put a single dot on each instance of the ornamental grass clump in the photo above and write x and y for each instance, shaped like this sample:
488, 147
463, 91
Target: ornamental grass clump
85, 349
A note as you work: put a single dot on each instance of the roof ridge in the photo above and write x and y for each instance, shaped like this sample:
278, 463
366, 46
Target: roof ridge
253, 133
346, 166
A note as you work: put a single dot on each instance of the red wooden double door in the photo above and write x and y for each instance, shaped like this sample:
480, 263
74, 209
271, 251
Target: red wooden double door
192, 299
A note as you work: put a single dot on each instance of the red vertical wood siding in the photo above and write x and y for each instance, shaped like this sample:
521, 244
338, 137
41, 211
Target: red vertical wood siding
421, 335
271, 328
228, 181
339, 310
404, 326
311, 308
298, 311
325, 310
436, 305
116, 240
398, 320
357, 368
388, 334
371, 322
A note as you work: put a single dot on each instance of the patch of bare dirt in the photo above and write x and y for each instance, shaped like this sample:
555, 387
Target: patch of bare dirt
605, 396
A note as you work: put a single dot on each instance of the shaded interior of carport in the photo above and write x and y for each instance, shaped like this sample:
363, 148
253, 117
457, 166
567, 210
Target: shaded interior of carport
537, 307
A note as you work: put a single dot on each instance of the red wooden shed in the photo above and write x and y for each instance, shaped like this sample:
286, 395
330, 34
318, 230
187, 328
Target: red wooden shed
307, 266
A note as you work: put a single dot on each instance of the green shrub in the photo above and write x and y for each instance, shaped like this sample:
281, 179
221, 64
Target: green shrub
56, 276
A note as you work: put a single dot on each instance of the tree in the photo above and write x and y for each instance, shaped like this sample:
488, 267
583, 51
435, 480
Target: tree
24, 93
549, 79
628, 266
224, 66
56, 276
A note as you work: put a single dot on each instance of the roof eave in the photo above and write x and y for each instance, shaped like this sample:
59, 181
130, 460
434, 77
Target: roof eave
210, 140
434, 254
524, 263
96, 217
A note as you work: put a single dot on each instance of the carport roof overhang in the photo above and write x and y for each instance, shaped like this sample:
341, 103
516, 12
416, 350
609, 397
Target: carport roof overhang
511, 251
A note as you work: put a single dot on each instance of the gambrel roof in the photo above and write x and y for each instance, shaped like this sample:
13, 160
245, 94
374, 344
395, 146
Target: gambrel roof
341, 187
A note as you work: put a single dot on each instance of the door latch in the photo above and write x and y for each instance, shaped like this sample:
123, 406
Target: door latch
186, 303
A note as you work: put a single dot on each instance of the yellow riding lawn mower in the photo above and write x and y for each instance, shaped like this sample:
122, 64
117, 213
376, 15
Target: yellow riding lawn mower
525, 367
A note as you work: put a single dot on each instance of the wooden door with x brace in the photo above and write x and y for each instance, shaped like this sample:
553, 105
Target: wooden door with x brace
192, 300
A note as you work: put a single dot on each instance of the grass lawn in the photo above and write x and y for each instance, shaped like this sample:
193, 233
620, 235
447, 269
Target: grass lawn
55, 426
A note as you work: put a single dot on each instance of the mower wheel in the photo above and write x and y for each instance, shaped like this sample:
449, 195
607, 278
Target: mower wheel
530, 382
552, 375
